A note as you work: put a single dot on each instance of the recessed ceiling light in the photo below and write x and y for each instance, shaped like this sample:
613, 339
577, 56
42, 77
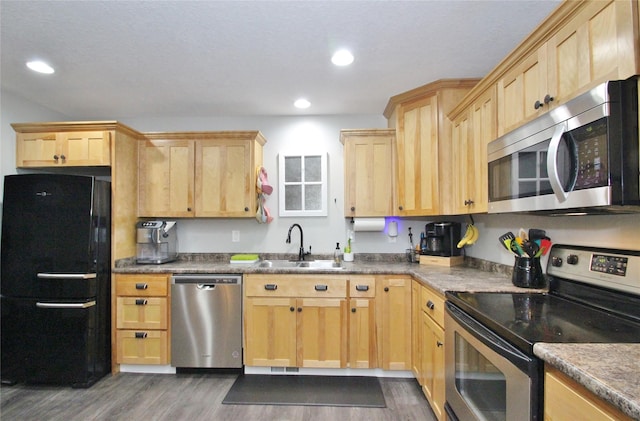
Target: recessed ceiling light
40, 67
342, 58
302, 103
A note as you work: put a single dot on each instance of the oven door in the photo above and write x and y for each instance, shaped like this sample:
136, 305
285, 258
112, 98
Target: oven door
486, 378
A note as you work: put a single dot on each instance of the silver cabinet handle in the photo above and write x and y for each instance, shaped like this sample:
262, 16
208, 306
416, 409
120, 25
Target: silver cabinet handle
66, 275
552, 166
66, 305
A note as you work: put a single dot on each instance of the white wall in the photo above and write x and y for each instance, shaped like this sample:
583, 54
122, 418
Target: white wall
321, 133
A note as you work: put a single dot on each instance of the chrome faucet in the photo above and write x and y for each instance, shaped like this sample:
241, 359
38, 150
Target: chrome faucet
301, 252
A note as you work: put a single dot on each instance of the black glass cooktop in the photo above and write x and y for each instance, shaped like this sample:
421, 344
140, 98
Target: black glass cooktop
526, 318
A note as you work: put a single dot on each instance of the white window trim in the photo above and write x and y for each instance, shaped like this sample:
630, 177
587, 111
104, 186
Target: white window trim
323, 182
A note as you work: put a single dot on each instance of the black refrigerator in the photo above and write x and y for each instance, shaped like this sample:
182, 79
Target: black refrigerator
55, 279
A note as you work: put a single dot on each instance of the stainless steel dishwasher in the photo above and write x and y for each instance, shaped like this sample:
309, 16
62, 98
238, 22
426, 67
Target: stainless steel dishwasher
206, 321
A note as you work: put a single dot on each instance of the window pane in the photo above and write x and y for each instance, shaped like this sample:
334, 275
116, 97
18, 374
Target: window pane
293, 169
313, 197
293, 197
312, 169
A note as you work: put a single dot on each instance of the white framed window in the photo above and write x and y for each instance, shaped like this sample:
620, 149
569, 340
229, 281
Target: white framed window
303, 184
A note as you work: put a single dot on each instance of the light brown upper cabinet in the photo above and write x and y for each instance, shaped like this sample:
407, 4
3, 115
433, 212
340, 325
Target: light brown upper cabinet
89, 148
422, 143
199, 174
472, 131
584, 44
368, 172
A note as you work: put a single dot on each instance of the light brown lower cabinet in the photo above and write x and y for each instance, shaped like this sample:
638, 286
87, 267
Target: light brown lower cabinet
566, 400
363, 349
142, 319
394, 321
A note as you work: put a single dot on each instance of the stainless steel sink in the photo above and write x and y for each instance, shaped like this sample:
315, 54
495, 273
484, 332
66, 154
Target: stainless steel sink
307, 264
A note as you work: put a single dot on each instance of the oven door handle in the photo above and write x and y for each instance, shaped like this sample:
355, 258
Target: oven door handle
490, 339
552, 163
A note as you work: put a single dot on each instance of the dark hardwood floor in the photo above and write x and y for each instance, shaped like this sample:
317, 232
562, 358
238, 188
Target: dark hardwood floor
129, 396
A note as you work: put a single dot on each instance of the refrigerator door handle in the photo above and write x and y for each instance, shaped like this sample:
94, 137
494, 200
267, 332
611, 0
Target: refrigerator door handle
66, 275
66, 305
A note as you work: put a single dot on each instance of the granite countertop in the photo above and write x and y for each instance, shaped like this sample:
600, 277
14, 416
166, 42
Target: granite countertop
610, 371
474, 275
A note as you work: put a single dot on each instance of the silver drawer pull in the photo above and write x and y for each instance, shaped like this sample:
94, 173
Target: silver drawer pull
66, 275
141, 302
66, 305
362, 287
321, 287
141, 335
142, 285
271, 287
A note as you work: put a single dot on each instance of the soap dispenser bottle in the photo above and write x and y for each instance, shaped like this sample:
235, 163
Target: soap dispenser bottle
336, 254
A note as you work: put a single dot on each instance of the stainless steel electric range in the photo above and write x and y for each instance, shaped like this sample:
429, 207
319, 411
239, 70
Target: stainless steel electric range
491, 371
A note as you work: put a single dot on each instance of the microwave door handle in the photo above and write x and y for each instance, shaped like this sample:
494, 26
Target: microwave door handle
552, 163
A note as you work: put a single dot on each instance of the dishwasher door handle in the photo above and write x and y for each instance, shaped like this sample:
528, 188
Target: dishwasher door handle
206, 287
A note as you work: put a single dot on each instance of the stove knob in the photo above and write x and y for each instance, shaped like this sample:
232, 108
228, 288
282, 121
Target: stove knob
572, 259
556, 261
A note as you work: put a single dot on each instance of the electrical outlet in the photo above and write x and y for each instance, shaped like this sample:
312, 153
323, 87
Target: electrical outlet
235, 236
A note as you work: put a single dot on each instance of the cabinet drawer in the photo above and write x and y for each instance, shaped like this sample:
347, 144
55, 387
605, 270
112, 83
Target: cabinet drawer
141, 313
142, 347
296, 286
432, 304
142, 285
362, 286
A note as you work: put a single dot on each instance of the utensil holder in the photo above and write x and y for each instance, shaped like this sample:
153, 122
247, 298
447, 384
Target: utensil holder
413, 256
527, 273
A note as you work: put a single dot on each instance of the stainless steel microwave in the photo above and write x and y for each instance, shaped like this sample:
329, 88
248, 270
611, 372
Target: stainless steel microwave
581, 157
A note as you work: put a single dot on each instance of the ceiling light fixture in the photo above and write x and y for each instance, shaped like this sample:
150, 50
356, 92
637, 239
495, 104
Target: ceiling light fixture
40, 67
342, 58
302, 104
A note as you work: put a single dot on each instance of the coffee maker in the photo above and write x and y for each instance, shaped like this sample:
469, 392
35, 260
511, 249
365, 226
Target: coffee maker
442, 238
157, 242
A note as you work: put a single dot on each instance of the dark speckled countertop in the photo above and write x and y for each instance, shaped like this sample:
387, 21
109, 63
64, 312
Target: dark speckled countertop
611, 371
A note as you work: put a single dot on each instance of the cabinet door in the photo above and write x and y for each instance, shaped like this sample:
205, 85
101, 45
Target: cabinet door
165, 178
595, 46
322, 332
432, 337
141, 313
36, 150
483, 130
566, 400
368, 171
224, 179
521, 92
462, 165
416, 322
270, 332
417, 146
394, 317
362, 333
142, 347
85, 149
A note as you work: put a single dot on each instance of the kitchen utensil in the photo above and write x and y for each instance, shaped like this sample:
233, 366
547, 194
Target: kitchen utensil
536, 234
530, 248
515, 247
507, 236
523, 234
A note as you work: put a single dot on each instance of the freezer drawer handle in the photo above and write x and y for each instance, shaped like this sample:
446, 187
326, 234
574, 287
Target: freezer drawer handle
66, 305
321, 287
141, 335
66, 275
141, 302
271, 287
142, 285
362, 287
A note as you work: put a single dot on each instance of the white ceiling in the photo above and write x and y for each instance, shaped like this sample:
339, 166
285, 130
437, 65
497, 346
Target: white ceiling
137, 59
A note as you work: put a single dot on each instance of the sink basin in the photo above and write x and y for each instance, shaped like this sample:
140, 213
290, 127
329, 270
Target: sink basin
295, 264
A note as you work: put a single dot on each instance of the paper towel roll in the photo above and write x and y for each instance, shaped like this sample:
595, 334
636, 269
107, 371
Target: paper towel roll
368, 224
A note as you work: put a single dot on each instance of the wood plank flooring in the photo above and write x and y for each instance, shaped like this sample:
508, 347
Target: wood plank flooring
192, 397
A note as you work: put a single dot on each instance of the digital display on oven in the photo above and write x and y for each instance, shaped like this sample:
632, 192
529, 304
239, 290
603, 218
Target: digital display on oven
612, 265
591, 149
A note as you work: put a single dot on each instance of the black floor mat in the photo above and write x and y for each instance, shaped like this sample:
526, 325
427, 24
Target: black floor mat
252, 389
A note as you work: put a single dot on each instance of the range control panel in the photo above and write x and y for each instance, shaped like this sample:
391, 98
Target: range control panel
608, 268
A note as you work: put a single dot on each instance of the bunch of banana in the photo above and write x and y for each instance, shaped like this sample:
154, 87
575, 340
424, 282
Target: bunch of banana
470, 236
